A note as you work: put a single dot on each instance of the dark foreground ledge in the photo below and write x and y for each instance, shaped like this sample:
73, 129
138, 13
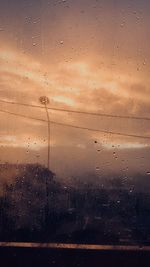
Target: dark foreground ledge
72, 257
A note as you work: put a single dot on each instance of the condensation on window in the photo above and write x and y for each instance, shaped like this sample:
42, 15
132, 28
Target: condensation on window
74, 122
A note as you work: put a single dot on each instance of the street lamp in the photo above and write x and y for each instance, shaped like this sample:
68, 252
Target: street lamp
44, 100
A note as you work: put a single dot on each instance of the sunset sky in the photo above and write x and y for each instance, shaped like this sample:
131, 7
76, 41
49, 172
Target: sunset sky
85, 55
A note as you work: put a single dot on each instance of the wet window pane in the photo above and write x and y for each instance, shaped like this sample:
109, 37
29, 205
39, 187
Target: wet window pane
74, 122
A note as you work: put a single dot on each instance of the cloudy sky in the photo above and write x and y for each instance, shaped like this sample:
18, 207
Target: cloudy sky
84, 55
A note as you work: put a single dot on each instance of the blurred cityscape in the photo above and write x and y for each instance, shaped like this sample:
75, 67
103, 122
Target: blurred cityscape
35, 206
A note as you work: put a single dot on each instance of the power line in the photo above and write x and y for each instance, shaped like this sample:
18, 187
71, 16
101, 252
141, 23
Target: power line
78, 111
102, 131
77, 127
23, 116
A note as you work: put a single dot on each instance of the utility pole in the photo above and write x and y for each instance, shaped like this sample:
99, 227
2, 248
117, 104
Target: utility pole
44, 100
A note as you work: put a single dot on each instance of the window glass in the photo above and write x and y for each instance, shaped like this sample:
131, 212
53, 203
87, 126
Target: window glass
74, 121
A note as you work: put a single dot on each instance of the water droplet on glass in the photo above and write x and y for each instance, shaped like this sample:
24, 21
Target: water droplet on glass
122, 24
